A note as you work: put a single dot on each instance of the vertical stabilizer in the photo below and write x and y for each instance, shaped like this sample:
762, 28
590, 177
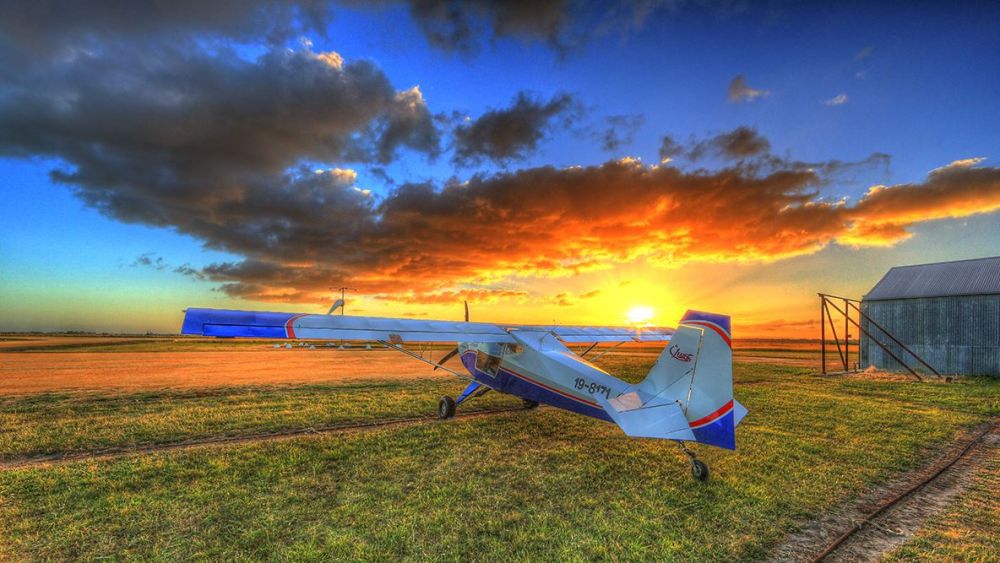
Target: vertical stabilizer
710, 407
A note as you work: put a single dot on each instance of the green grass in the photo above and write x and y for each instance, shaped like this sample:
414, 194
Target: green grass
80, 421
969, 530
528, 484
71, 422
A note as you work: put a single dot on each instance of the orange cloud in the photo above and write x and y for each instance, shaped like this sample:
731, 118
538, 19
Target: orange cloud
421, 244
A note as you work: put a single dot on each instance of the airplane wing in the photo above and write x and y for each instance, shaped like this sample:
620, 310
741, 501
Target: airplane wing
256, 324
253, 324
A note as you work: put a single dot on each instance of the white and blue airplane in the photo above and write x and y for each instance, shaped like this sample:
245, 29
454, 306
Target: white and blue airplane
686, 397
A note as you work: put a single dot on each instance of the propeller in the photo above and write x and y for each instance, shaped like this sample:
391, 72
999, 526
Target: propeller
452, 354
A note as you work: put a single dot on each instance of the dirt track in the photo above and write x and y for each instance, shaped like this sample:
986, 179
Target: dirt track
215, 441
40, 372
901, 521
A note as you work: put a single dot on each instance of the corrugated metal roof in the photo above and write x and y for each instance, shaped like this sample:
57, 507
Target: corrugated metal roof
979, 276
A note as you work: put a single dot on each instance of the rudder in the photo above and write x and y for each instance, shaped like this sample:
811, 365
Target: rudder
711, 409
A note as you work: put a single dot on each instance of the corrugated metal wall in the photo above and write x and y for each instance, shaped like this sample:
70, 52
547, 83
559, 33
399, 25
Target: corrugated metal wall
956, 335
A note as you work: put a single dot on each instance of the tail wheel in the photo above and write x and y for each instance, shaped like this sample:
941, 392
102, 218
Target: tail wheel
530, 404
446, 407
699, 470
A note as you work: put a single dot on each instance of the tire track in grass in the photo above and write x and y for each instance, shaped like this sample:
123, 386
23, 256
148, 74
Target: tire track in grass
891, 514
125, 451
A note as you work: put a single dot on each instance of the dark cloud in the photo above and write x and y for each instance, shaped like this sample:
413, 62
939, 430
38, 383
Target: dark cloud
149, 260
750, 152
190, 271
154, 136
670, 149
740, 91
462, 25
620, 130
740, 143
49, 26
53, 26
511, 133
459, 25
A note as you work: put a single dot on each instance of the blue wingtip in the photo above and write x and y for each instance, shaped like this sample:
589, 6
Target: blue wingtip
225, 323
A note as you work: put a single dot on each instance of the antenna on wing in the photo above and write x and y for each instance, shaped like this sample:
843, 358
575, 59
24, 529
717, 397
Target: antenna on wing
452, 354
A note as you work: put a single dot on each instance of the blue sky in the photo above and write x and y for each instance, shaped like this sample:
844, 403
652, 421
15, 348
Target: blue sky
921, 85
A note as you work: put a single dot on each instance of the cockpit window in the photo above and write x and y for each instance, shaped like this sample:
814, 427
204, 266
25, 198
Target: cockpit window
511, 349
488, 360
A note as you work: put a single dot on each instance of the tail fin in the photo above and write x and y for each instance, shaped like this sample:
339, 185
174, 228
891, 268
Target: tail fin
696, 369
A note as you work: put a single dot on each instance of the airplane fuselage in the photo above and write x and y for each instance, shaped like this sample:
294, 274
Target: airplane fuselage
540, 368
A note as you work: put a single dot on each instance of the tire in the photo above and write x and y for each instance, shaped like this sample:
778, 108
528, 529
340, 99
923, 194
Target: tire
528, 404
699, 470
446, 407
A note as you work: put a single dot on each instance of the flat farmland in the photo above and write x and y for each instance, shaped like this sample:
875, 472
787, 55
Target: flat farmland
194, 475
83, 363
126, 370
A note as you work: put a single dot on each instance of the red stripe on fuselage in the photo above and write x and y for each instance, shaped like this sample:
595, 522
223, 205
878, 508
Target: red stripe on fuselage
289, 329
542, 385
712, 417
714, 327
553, 389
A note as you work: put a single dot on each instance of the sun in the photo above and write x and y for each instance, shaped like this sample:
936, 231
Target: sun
639, 315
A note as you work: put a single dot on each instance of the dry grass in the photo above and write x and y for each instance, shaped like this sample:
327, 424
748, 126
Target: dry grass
40, 372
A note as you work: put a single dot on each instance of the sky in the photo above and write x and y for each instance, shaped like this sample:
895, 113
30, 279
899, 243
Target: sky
560, 162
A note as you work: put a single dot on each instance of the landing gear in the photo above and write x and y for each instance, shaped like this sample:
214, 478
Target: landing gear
699, 469
528, 404
446, 407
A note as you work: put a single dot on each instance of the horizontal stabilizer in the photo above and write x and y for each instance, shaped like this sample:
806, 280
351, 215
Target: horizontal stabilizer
657, 418
739, 411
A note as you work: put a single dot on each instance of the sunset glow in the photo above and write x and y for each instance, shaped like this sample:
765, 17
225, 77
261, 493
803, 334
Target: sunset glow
639, 316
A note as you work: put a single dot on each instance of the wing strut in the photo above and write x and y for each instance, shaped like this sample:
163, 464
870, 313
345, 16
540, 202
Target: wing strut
436, 365
608, 350
589, 348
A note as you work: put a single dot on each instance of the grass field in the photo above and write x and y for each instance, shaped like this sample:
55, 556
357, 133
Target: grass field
539, 484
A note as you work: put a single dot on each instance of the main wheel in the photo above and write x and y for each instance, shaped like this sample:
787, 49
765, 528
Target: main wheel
446, 407
699, 469
528, 404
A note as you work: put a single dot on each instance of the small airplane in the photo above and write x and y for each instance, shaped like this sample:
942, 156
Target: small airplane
686, 397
